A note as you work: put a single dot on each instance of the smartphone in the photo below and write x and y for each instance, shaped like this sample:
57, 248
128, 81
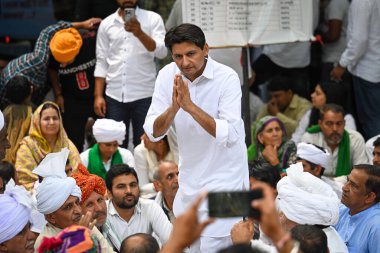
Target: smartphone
233, 204
128, 14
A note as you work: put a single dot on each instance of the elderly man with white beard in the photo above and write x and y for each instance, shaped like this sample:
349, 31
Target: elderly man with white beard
58, 198
305, 199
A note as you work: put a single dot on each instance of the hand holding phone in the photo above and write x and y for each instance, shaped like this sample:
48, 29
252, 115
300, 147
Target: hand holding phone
233, 204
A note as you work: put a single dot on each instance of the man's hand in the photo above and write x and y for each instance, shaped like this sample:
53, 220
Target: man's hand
271, 155
59, 100
100, 106
175, 104
87, 221
272, 107
183, 94
269, 219
133, 26
89, 24
337, 73
242, 232
186, 229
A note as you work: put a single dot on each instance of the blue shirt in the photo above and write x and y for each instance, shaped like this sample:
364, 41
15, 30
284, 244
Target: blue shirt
360, 232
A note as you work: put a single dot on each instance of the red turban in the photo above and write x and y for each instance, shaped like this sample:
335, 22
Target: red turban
88, 183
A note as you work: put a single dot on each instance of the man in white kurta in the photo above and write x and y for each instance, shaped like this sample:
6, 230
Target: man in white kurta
202, 98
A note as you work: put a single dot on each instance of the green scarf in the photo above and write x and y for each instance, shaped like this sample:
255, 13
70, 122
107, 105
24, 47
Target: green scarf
95, 162
343, 166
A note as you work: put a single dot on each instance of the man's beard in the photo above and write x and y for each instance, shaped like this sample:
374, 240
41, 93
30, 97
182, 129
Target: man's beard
127, 205
334, 139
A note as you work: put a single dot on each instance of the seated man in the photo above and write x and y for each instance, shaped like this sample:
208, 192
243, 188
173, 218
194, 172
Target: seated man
140, 242
166, 184
376, 152
285, 104
58, 199
316, 160
346, 146
147, 156
359, 216
109, 134
93, 190
127, 213
373, 150
306, 200
15, 208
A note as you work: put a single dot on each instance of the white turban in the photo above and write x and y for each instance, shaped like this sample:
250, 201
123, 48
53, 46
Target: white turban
15, 208
56, 187
1, 120
312, 154
307, 200
109, 130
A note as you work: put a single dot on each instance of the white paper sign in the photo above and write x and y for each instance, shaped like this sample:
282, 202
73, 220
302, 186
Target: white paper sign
257, 22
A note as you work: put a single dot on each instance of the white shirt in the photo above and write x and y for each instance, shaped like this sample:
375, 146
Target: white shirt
357, 148
147, 218
124, 61
125, 154
146, 162
362, 54
335, 10
334, 242
304, 122
205, 162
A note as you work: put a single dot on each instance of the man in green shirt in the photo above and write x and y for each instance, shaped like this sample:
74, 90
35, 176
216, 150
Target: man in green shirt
285, 105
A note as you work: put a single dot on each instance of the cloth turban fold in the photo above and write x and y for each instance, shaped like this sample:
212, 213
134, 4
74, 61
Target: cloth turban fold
109, 130
15, 208
312, 154
88, 183
56, 187
71, 240
65, 45
305, 199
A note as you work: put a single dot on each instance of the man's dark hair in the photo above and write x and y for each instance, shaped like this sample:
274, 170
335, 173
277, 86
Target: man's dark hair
7, 172
185, 33
18, 89
376, 143
240, 248
147, 244
311, 238
261, 170
280, 83
117, 170
373, 181
331, 107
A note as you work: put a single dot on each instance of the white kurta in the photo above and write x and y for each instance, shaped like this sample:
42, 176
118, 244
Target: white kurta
205, 162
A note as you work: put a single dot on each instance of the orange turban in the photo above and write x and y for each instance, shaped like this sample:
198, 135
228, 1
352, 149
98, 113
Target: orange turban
88, 182
65, 45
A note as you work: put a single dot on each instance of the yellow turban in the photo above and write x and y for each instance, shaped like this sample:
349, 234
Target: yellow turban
65, 45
